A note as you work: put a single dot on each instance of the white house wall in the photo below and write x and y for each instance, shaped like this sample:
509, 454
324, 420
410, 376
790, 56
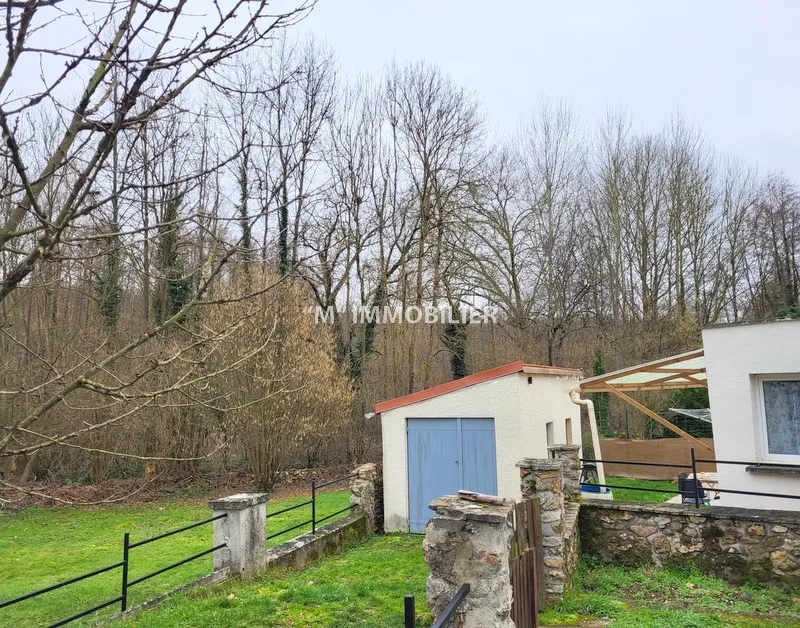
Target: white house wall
734, 356
520, 412
546, 399
497, 399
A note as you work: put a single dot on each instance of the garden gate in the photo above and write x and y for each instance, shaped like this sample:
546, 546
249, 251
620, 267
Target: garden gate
527, 565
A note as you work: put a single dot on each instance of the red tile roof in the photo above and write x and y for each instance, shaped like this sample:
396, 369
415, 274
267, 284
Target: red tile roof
475, 378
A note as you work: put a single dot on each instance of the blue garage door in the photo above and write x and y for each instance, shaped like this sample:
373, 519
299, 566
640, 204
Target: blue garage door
445, 456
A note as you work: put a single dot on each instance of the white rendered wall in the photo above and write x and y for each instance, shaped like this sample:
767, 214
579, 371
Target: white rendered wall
735, 355
546, 399
501, 399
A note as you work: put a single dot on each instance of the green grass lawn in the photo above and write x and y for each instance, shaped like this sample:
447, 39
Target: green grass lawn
362, 587
327, 503
669, 598
623, 494
44, 546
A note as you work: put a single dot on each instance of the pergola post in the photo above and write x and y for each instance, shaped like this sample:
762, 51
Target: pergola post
645, 410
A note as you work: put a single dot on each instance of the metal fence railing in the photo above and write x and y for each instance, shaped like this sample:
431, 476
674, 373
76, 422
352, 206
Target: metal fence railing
124, 566
127, 546
693, 490
314, 520
444, 618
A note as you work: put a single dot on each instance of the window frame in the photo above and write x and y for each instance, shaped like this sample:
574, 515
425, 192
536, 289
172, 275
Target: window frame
766, 455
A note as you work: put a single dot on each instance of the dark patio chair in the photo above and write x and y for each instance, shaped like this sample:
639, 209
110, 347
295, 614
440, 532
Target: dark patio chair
688, 486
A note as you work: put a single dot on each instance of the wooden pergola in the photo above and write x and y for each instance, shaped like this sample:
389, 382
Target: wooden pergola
686, 370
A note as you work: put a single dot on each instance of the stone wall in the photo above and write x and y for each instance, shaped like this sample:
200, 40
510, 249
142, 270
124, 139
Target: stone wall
555, 482
470, 543
307, 548
365, 490
732, 543
362, 521
572, 544
244, 529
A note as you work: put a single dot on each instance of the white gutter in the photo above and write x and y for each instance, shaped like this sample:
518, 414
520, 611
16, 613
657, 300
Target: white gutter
575, 396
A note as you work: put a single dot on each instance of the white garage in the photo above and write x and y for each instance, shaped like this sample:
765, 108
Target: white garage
469, 434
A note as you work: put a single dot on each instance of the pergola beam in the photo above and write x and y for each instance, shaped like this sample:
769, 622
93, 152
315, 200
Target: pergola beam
700, 384
668, 378
671, 385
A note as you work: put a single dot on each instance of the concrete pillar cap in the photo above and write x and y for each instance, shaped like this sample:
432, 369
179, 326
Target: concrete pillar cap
574, 448
454, 507
240, 501
540, 464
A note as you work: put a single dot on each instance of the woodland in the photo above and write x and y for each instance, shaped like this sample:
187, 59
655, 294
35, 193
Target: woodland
179, 189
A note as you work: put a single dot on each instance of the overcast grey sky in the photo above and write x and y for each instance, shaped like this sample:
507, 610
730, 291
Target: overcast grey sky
731, 66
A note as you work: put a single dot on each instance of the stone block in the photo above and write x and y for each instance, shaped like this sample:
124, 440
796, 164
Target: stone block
549, 516
691, 531
782, 561
489, 557
661, 544
552, 541
643, 530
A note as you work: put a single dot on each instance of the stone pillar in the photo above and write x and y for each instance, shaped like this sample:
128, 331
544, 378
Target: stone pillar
244, 530
470, 543
363, 493
570, 458
544, 480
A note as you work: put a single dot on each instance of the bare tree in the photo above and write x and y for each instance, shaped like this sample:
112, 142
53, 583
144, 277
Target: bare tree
140, 59
551, 151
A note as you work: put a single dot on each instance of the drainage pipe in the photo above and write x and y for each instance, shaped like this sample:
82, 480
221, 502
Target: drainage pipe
575, 396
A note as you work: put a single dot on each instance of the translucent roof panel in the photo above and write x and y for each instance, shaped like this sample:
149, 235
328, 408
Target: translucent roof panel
686, 370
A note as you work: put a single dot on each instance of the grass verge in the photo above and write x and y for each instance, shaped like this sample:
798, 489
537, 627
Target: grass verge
44, 546
628, 495
669, 598
362, 587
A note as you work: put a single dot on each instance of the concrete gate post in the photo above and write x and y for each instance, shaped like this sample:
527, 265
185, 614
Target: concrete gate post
244, 530
470, 543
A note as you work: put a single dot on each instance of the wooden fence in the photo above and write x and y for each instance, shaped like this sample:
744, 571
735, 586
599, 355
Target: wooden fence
527, 565
666, 450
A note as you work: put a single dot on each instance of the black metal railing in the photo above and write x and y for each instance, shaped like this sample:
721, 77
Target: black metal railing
124, 564
444, 618
314, 521
693, 491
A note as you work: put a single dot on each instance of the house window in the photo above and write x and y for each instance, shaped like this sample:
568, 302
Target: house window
568, 427
780, 416
549, 428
